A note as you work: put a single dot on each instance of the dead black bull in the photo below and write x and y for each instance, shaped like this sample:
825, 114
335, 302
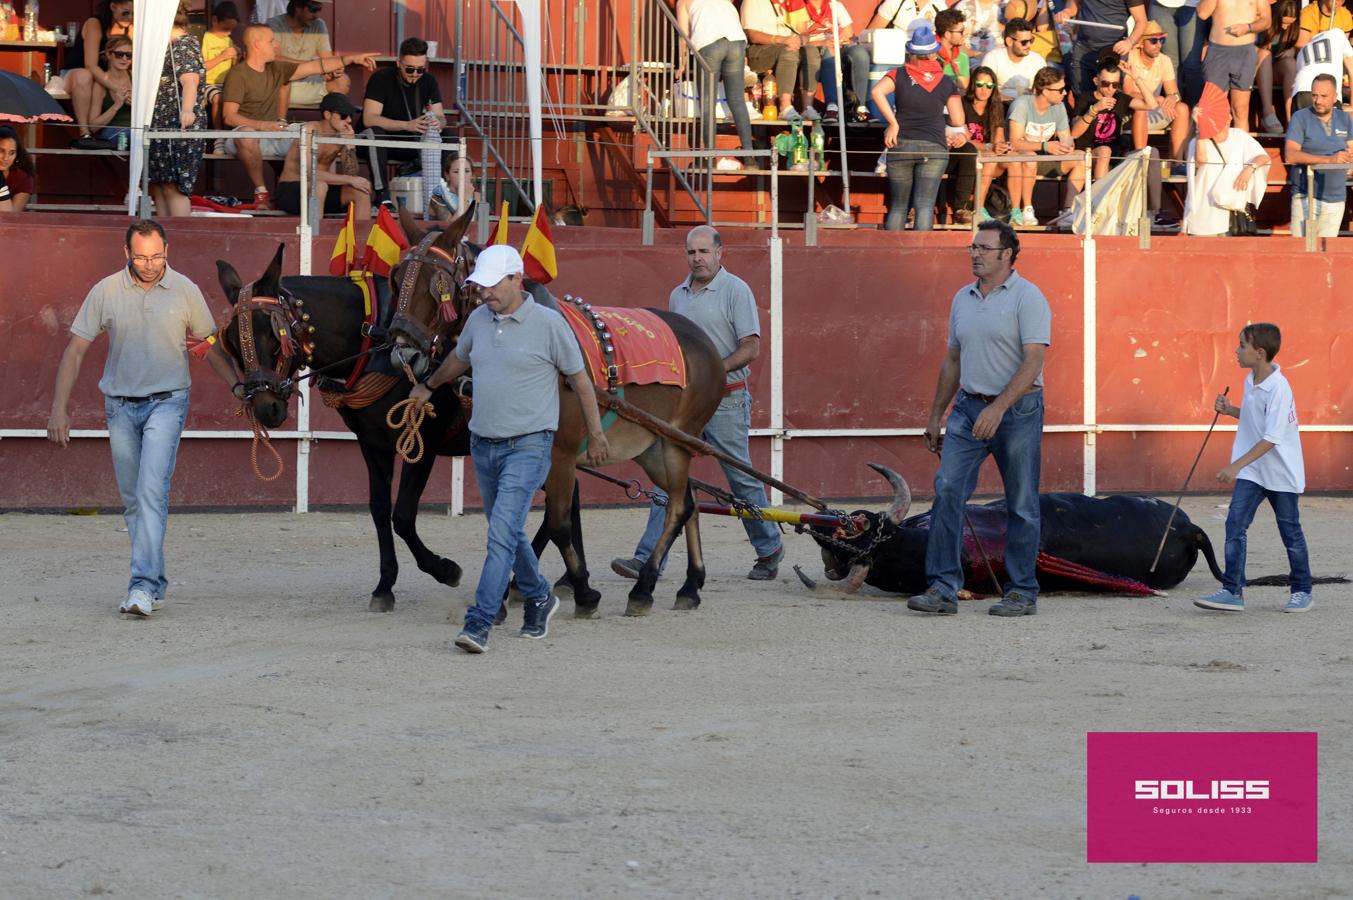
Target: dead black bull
1085, 544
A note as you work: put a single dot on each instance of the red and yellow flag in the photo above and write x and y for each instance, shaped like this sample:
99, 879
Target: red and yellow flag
500, 232
537, 251
384, 244
345, 250
199, 348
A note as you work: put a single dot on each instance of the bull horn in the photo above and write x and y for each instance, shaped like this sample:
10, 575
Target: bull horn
901, 493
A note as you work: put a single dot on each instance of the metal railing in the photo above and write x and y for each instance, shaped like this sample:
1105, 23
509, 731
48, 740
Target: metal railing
669, 155
490, 87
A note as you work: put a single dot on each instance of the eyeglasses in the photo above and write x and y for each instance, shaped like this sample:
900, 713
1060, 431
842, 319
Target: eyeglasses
1024, 43
120, 54
1056, 90
1155, 40
956, 31
978, 248
414, 70
985, 84
148, 260
1110, 84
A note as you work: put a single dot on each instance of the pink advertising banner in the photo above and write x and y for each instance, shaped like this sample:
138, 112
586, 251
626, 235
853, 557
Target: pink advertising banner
1197, 797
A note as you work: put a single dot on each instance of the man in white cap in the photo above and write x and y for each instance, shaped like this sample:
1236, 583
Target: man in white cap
518, 350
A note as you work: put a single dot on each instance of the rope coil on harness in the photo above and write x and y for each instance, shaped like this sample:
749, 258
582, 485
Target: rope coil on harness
407, 419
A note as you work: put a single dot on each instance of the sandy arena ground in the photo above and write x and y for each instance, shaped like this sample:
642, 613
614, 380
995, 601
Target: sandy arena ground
265, 736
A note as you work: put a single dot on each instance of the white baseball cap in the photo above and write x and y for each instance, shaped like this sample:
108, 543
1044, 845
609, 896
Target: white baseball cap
496, 263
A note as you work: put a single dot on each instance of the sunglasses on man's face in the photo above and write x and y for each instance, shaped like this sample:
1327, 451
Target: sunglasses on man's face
1061, 89
1155, 40
314, 8
120, 54
1109, 84
415, 70
1024, 43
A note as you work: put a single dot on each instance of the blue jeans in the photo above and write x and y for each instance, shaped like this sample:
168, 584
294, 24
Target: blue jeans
1017, 446
727, 59
1245, 499
914, 181
509, 473
144, 439
727, 430
1185, 35
857, 68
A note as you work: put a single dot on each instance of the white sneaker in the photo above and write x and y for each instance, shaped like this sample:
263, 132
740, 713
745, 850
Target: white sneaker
881, 167
832, 112
727, 164
1272, 125
140, 603
810, 114
1028, 215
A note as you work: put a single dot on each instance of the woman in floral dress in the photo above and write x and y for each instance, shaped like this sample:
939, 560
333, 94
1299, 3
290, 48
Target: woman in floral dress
173, 165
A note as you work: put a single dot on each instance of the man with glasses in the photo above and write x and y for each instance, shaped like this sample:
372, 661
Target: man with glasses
1099, 120
147, 309
337, 114
1016, 63
999, 329
1153, 75
1038, 124
952, 31
403, 102
1320, 134
303, 36
1101, 28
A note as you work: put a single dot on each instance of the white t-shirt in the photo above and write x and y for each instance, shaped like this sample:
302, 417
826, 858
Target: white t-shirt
1269, 413
760, 15
901, 13
712, 20
1324, 55
1015, 78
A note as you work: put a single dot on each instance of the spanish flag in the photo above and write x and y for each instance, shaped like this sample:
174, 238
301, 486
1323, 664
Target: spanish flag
537, 251
500, 233
384, 244
345, 250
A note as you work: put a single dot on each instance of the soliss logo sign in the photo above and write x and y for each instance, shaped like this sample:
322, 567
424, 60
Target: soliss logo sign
1204, 790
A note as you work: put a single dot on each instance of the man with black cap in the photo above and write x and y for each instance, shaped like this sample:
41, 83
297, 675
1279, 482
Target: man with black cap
336, 113
518, 350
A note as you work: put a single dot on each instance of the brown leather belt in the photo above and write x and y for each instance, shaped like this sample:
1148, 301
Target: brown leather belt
985, 398
735, 386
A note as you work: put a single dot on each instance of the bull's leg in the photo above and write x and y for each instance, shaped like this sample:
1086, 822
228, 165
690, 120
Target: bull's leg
412, 480
689, 595
380, 468
561, 521
564, 585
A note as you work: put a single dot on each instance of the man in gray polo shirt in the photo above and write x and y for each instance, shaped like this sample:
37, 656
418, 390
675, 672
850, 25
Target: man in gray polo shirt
999, 328
147, 310
518, 349
723, 306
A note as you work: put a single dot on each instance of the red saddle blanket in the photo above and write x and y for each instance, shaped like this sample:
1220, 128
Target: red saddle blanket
646, 350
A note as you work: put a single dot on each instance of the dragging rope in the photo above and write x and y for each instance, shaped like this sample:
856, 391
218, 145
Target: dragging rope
408, 420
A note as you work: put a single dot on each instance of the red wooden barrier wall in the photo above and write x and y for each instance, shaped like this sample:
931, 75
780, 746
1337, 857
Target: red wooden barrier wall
864, 328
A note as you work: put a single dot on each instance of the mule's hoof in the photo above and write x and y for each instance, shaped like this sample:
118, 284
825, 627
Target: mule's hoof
686, 602
637, 606
447, 572
381, 603
584, 610
563, 588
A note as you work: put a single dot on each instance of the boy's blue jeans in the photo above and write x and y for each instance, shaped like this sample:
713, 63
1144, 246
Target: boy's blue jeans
1245, 500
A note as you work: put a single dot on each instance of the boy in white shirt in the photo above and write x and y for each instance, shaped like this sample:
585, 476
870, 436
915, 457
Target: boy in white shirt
1266, 463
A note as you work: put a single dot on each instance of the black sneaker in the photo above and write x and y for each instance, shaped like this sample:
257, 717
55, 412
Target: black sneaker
473, 639
538, 615
933, 601
767, 567
627, 567
1014, 604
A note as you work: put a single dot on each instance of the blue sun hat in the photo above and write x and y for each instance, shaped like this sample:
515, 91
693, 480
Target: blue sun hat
923, 40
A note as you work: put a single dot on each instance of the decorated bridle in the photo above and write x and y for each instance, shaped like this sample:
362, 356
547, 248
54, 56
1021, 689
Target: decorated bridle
445, 285
290, 327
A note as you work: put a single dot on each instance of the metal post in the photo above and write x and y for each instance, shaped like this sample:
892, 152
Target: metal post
1089, 199
777, 367
774, 194
457, 485
144, 205
1144, 224
810, 217
1310, 209
841, 117
306, 228
647, 225
1089, 345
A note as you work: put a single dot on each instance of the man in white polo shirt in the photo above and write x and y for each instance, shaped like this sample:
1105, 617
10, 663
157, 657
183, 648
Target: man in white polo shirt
518, 350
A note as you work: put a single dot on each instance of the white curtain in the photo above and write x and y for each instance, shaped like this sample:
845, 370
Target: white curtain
150, 42
532, 34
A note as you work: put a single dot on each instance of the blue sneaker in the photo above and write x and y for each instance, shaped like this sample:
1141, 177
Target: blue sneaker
1223, 600
1016, 216
537, 617
473, 639
1300, 601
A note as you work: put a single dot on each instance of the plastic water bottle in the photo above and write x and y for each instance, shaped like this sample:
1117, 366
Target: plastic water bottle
431, 157
122, 140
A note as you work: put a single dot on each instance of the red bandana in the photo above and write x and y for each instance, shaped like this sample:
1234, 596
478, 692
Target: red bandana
925, 73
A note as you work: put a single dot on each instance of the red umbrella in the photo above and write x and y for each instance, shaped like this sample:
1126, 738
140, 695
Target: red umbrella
1214, 112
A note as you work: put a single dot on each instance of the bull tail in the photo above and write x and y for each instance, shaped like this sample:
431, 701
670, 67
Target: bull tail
1205, 545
